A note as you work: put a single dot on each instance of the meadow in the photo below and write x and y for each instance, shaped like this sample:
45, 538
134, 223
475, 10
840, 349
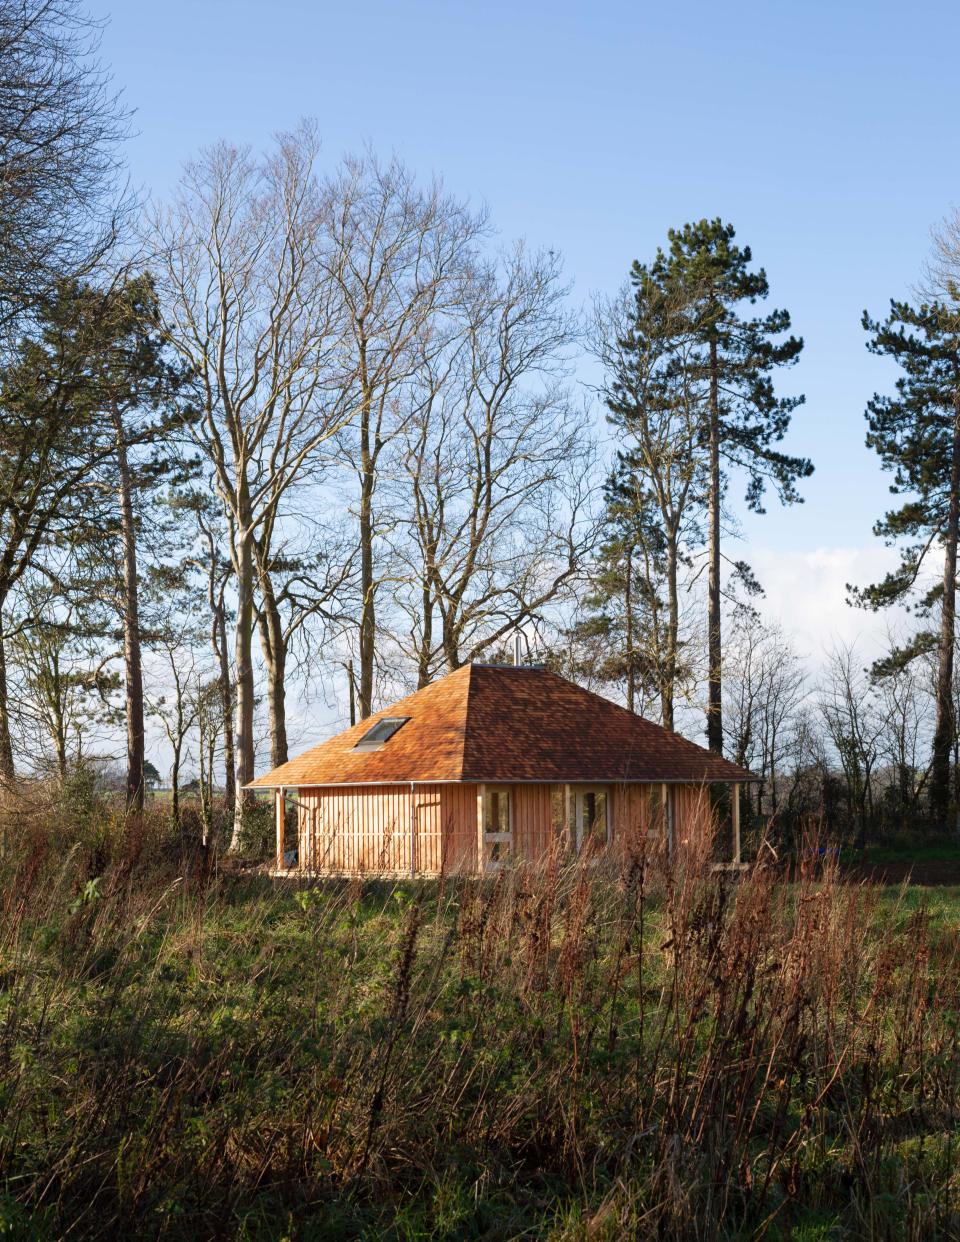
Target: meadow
188, 1050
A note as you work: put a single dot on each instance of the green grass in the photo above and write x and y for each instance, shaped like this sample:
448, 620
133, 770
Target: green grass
564, 1055
907, 850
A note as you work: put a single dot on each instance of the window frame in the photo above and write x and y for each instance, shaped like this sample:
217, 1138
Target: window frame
578, 806
369, 743
497, 836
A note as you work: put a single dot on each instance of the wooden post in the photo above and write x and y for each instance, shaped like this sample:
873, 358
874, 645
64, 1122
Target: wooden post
281, 827
481, 799
569, 829
413, 831
735, 812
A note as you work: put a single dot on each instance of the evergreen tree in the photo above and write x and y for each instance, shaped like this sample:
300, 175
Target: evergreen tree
92, 402
136, 388
917, 437
622, 636
743, 419
655, 495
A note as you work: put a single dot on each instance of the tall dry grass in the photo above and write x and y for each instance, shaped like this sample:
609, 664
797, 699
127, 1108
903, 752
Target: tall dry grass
574, 1050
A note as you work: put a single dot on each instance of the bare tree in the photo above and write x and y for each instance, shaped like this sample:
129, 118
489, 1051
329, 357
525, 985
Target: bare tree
904, 715
767, 694
401, 257
64, 686
941, 277
177, 704
216, 567
210, 722
243, 270
848, 710
497, 462
60, 128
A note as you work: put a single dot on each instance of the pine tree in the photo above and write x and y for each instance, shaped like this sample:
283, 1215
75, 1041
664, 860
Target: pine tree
743, 418
655, 494
623, 637
136, 389
917, 436
97, 390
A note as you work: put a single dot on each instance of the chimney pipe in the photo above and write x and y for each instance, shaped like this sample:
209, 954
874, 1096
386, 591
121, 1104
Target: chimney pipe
517, 656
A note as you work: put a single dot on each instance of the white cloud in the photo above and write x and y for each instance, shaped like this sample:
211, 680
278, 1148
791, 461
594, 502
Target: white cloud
806, 592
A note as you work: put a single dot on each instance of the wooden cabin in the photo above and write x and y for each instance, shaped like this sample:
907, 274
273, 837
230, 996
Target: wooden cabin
489, 764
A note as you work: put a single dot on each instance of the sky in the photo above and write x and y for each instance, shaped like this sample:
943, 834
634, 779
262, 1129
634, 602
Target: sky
826, 133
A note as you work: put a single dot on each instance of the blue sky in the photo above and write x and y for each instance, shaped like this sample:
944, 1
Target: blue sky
826, 133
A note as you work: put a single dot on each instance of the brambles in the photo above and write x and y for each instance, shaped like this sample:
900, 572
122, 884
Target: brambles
565, 1052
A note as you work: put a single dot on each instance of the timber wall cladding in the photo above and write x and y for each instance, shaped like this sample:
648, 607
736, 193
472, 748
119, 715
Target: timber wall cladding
369, 828
532, 821
694, 816
362, 828
458, 805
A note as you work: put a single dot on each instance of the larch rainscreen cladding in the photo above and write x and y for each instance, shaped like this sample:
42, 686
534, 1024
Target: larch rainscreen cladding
433, 828
388, 828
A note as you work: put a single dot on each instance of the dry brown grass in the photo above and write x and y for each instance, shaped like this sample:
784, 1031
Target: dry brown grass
567, 1051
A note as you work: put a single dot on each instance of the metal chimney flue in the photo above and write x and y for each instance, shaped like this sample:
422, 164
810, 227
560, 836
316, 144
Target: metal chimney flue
517, 654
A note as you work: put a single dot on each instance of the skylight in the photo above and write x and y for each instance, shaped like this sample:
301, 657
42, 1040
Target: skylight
381, 732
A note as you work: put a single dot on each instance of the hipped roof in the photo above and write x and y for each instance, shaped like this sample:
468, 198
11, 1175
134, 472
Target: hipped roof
500, 724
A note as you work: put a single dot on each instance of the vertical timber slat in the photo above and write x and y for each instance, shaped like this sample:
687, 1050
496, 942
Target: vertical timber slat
481, 798
279, 812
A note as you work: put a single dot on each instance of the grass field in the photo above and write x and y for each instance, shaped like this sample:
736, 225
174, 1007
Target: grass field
187, 1051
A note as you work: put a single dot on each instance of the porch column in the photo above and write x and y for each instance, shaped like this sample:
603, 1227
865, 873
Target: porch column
280, 811
735, 815
481, 798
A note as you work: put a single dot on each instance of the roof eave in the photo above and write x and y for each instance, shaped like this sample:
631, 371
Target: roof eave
735, 779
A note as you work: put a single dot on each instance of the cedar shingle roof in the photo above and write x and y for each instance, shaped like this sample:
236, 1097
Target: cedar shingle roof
497, 723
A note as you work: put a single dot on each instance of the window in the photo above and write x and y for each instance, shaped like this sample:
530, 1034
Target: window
558, 814
497, 829
381, 732
592, 814
496, 812
581, 816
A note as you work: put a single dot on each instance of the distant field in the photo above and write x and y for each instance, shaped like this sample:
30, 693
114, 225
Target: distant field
559, 1054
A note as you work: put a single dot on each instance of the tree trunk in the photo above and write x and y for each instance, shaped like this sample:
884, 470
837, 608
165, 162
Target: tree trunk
60, 747
673, 630
274, 647
7, 772
714, 642
426, 633
243, 649
175, 788
451, 643
368, 616
628, 617
132, 658
219, 640
946, 726
208, 814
